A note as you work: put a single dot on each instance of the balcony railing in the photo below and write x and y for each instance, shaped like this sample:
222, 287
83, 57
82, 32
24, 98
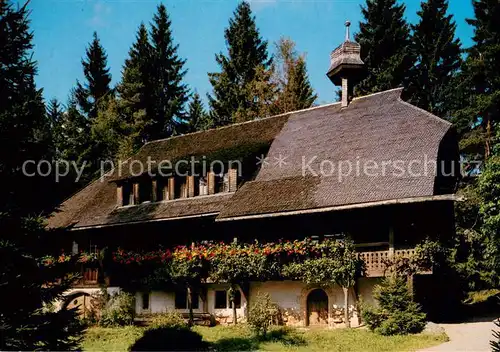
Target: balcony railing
376, 262
90, 277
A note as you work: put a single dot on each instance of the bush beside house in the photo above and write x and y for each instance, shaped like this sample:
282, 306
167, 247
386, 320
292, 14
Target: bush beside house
396, 313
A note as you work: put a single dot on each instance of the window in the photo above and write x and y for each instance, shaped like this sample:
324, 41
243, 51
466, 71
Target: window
220, 299
180, 188
237, 300
127, 195
194, 299
160, 194
145, 189
225, 182
203, 186
145, 301
180, 299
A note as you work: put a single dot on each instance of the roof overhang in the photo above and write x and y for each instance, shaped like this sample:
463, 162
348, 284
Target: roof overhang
444, 197
213, 214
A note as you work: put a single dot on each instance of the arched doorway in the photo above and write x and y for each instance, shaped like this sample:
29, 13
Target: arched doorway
317, 308
79, 300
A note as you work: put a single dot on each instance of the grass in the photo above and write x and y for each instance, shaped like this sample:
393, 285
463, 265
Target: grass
110, 339
240, 338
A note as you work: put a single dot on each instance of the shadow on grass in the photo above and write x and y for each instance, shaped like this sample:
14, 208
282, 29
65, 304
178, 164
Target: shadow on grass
170, 339
184, 339
282, 335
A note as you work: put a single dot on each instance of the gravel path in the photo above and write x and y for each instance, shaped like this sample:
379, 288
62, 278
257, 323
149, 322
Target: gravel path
470, 336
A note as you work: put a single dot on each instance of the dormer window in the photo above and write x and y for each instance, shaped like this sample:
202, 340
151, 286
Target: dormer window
127, 194
145, 191
156, 190
203, 186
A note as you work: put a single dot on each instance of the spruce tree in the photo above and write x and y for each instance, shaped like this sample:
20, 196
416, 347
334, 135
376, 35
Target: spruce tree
24, 286
479, 87
55, 114
23, 122
135, 89
75, 131
433, 78
169, 93
198, 118
384, 36
295, 91
97, 76
246, 53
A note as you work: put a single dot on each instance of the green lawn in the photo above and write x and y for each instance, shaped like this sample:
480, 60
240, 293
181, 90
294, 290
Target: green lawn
240, 338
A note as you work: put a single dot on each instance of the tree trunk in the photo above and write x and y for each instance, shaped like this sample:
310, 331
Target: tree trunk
233, 293
190, 306
346, 307
487, 149
410, 282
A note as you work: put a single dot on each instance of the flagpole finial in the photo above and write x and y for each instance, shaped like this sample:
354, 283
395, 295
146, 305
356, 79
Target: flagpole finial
347, 35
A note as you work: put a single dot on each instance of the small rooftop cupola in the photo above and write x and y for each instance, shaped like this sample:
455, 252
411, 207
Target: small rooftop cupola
346, 66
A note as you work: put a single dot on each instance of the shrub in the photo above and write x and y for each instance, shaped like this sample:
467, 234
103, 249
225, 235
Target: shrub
119, 310
261, 314
168, 320
98, 302
396, 313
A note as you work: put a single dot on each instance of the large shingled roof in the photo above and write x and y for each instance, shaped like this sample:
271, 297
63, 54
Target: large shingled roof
380, 127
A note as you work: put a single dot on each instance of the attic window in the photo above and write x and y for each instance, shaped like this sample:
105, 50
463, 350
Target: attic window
128, 195
145, 190
181, 188
221, 183
203, 186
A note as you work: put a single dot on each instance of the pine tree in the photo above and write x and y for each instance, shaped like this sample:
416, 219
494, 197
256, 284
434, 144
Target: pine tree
246, 53
75, 132
260, 94
197, 116
433, 78
480, 78
169, 93
295, 91
55, 119
384, 36
97, 76
23, 122
24, 286
135, 89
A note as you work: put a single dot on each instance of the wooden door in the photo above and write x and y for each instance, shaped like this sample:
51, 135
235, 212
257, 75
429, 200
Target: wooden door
317, 307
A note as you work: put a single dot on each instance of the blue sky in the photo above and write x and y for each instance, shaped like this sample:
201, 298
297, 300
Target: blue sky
63, 28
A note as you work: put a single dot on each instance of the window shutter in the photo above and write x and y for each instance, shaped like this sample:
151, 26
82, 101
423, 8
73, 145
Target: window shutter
154, 190
190, 184
164, 190
233, 180
136, 193
119, 196
211, 182
171, 188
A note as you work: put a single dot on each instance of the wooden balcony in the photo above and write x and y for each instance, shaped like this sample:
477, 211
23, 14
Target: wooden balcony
376, 262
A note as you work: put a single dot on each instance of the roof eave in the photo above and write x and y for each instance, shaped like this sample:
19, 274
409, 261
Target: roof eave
212, 214
444, 197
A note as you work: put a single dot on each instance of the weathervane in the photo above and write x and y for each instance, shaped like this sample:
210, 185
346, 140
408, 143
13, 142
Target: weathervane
347, 25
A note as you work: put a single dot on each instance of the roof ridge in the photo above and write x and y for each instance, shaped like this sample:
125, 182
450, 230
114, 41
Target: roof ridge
242, 123
378, 93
